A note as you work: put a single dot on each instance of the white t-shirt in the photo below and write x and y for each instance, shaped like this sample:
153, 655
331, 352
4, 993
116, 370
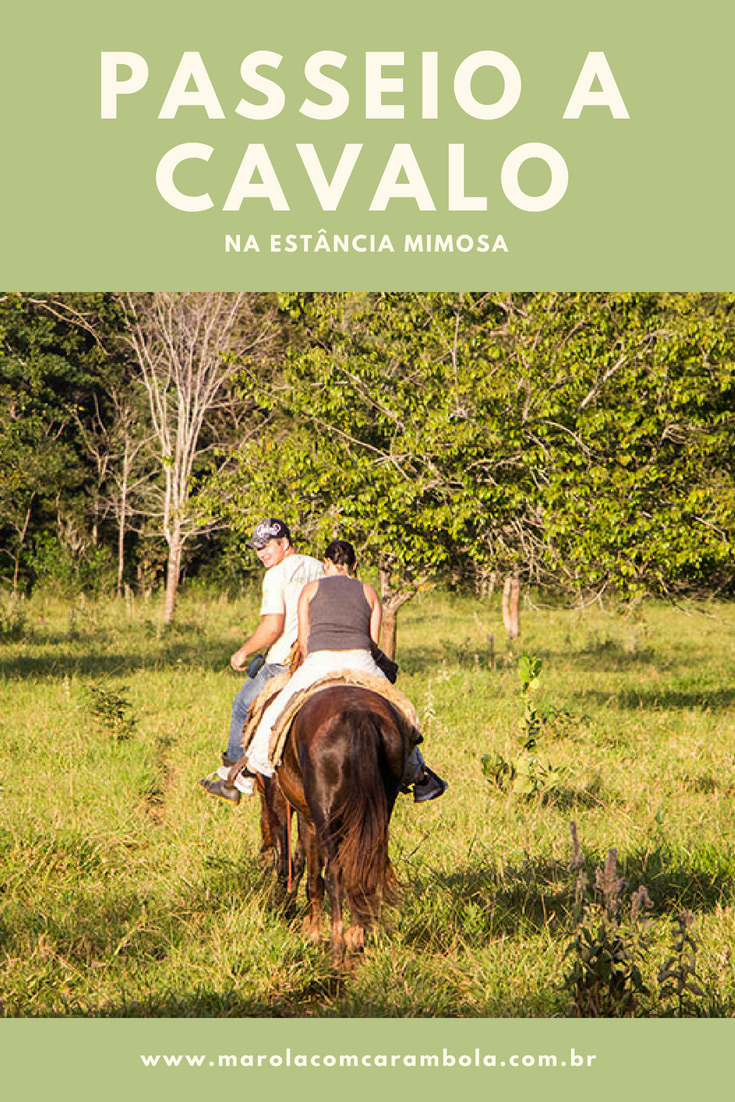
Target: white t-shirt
282, 587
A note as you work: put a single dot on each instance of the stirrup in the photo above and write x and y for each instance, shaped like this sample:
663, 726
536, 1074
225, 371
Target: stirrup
244, 782
214, 785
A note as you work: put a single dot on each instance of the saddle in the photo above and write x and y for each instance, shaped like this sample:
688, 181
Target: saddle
379, 685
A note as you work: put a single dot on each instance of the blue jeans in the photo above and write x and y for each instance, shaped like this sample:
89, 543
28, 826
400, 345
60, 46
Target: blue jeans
242, 702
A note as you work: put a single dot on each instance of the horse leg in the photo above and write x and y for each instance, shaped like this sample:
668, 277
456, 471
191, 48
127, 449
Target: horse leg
267, 852
334, 888
314, 881
274, 821
298, 861
326, 826
325, 821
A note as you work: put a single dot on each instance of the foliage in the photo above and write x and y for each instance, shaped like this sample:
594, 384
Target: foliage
112, 710
12, 617
607, 949
678, 979
628, 431
584, 440
70, 570
52, 369
524, 775
386, 421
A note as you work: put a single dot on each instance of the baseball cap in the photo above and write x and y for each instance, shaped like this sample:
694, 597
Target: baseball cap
268, 529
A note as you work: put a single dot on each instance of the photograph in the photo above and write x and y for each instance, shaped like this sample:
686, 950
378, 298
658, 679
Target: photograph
281, 569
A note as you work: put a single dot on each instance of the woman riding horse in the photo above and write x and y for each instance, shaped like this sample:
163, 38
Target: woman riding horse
339, 621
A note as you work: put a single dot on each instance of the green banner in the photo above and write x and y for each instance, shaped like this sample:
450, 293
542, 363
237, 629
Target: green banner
364, 1060
395, 145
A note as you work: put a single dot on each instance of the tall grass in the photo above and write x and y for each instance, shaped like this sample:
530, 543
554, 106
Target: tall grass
125, 890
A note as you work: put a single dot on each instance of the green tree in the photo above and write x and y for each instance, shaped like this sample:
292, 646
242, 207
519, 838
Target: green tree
51, 365
577, 440
388, 428
628, 434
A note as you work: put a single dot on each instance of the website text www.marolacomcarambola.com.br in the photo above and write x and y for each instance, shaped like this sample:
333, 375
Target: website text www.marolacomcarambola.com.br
445, 1059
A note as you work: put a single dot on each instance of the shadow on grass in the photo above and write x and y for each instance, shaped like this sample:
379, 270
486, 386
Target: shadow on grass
196, 653
476, 904
326, 997
566, 799
605, 658
662, 699
698, 882
609, 655
470, 907
312, 1000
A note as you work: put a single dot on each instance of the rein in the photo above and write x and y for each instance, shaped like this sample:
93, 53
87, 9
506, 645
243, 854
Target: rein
289, 812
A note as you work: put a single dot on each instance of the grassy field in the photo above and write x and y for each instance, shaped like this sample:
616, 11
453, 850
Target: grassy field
125, 891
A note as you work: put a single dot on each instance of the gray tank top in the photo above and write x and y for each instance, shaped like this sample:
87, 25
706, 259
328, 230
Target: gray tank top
339, 615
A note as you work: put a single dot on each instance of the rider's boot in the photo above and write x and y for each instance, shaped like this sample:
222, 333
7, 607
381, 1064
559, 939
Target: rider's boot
218, 783
424, 781
428, 787
214, 785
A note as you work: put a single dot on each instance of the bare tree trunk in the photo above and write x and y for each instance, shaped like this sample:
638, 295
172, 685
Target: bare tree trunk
511, 606
121, 551
388, 631
21, 541
173, 573
392, 601
123, 518
488, 582
16, 571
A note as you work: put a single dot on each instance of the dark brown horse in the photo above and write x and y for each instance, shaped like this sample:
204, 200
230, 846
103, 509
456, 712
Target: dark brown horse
341, 772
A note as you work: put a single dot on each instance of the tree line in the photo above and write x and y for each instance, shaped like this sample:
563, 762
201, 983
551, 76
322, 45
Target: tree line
576, 441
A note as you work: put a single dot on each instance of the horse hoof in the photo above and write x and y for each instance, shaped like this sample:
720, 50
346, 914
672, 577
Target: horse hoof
355, 939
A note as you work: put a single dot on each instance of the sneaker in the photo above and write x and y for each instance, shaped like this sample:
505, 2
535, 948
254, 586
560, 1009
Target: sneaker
429, 788
214, 785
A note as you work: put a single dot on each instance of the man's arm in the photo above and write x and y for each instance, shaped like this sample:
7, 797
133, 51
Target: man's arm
268, 630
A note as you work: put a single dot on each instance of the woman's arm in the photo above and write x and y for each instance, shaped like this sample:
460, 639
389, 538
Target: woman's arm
303, 610
376, 612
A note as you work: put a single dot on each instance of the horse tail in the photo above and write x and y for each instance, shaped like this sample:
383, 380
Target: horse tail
361, 824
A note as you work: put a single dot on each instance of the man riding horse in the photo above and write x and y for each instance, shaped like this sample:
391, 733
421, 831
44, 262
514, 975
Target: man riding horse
286, 574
